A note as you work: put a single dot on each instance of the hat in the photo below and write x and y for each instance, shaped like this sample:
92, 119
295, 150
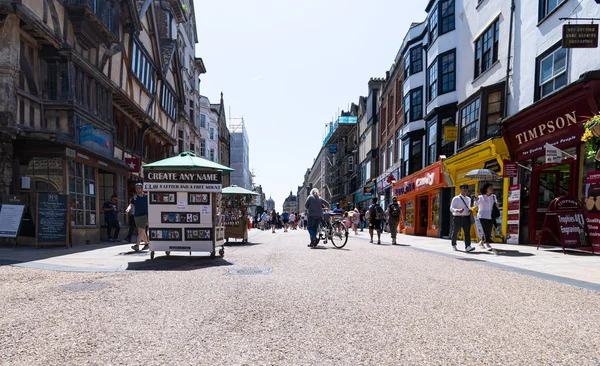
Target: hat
465, 186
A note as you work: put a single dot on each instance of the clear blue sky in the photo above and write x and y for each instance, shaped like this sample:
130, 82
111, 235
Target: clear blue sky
287, 67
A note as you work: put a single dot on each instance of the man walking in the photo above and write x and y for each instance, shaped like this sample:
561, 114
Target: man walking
314, 206
394, 214
140, 202
110, 216
132, 227
461, 217
375, 218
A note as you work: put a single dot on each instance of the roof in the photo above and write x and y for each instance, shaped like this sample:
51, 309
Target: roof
187, 161
233, 189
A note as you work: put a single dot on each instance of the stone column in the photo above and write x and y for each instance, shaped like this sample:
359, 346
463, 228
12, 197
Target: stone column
9, 78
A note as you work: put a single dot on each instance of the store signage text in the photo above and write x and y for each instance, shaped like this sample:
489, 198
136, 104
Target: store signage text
183, 177
428, 180
86, 133
408, 187
549, 127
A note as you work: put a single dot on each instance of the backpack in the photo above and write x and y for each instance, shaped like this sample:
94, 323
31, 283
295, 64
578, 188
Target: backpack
377, 212
394, 210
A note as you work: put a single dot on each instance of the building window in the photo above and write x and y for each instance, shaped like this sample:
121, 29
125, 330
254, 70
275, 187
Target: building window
212, 133
486, 48
494, 113
416, 59
416, 158
448, 72
416, 104
399, 145
447, 148
82, 193
391, 151
552, 71
193, 148
547, 6
168, 102
406, 103
432, 82
433, 24
383, 159
406, 64
406, 158
203, 147
212, 154
142, 67
469, 122
202, 121
180, 142
432, 142
447, 16
350, 163
192, 113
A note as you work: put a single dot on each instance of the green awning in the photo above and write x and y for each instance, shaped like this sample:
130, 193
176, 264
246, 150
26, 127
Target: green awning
187, 161
233, 189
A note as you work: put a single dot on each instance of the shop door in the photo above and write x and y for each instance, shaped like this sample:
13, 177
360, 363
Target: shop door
547, 184
423, 204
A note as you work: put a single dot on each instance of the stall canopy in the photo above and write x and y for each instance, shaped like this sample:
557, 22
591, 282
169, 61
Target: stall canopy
233, 189
187, 161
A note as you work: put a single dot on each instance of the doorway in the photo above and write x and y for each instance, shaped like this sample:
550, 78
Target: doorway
548, 182
423, 219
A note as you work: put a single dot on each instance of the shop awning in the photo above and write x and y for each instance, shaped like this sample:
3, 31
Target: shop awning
187, 161
233, 189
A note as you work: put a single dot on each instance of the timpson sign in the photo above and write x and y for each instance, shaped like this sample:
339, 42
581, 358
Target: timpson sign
561, 122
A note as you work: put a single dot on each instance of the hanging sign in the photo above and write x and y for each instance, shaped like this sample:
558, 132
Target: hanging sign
553, 154
511, 169
450, 133
580, 36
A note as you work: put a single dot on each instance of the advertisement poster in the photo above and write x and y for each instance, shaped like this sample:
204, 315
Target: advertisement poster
514, 207
572, 229
592, 207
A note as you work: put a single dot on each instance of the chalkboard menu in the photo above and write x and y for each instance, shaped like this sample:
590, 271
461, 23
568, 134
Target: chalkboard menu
52, 219
10, 220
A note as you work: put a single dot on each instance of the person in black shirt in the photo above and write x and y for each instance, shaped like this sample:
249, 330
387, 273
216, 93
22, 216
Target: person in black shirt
110, 214
140, 201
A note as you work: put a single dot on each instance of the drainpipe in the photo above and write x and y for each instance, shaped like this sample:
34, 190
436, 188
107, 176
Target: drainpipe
510, 35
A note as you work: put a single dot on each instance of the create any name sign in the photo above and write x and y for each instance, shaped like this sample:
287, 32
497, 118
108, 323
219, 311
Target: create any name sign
198, 181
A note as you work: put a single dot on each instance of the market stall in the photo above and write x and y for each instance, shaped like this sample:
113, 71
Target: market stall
184, 194
235, 203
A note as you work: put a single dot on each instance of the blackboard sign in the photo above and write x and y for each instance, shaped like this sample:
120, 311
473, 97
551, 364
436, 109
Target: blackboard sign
10, 220
52, 219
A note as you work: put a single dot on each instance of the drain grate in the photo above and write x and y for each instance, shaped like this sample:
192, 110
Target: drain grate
249, 271
82, 286
470, 259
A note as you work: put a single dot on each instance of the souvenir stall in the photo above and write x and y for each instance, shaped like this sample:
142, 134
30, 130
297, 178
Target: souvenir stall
234, 209
184, 194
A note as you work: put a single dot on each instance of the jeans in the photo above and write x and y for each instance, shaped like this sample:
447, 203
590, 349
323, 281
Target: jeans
459, 222
487, 225
313, 226
110, 223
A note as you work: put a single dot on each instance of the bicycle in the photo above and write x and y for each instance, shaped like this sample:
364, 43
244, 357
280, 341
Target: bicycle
335, 231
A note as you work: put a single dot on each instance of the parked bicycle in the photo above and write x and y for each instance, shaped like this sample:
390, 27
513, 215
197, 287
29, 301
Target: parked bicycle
335, 231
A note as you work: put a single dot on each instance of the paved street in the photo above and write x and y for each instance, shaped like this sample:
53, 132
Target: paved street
362, 305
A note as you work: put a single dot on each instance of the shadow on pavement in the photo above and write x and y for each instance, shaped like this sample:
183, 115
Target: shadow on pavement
176, 262
578, 253
500, 252
240, 244
23, 254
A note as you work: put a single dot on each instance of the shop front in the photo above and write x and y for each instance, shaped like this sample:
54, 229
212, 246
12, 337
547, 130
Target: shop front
490, 155
420, 198
557, 121
384, 187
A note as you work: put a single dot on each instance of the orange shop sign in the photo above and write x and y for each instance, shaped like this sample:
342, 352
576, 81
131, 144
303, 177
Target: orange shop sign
422, 180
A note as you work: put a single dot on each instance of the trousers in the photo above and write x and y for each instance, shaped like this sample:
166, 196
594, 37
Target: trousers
461, 222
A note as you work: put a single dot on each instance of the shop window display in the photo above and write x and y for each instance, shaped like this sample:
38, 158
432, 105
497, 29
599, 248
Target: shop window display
82, 193
409, 214
435, 211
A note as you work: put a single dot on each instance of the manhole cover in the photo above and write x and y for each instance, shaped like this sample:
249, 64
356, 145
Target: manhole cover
249, 271
82, 286
470, 259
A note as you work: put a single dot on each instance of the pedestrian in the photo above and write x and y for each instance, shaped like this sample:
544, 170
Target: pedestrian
485, 204
140, 202
296, 220
314, 208
362, 220
355, 220
131, 223
293, 220
305, 220
110, 215
285, 217
273, 221
461, 217
375, 218
394, 218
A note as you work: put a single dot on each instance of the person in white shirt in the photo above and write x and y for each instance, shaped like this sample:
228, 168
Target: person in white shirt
461, 217
486, 202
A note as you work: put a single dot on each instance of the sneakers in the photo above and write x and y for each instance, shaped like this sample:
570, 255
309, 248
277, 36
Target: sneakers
488, 247
454, 248
111, 240
469, 249
371, 241
378, 241
145, 247
135, 247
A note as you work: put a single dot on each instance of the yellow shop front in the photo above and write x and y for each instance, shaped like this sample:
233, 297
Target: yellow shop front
490, 155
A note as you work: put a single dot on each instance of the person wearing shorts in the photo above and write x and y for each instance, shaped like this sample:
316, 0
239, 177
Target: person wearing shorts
374, 223
140, 202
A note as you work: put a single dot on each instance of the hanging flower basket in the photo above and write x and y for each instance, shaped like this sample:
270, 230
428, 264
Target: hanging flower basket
591, 137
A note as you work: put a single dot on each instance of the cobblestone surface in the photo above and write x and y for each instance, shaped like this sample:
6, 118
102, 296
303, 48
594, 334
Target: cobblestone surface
362, 305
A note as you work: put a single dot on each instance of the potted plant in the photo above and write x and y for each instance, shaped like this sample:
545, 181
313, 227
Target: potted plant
591, 137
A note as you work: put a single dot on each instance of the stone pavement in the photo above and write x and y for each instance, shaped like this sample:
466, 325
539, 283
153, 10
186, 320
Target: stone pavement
575, 268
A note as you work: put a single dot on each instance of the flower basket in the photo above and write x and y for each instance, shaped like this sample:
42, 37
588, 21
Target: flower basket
591, 138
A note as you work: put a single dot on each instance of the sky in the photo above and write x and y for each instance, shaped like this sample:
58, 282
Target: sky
289, 67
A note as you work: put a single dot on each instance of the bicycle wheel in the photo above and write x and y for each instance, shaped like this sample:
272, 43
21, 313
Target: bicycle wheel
339, 234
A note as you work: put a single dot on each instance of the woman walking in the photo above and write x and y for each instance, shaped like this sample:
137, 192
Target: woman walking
485, 204
273, 220
355, 220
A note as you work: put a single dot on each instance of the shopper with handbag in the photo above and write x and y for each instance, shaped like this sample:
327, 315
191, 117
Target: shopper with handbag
461, 217
486, 203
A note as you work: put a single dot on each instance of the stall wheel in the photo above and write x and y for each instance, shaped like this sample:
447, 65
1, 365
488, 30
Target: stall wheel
222, 252
168, 253
152, 255
226, 240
